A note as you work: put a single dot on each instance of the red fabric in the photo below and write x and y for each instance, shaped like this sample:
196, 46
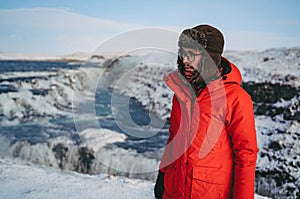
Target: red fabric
212, 149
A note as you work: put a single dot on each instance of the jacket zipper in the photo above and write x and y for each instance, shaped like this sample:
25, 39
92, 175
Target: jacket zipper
192, 103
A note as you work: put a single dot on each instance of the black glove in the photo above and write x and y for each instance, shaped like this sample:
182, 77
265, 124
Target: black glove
159, 186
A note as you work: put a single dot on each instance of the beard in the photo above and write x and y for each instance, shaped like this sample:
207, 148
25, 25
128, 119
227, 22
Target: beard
198, 77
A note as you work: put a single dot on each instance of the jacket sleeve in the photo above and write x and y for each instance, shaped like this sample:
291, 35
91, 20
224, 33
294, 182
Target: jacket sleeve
174, 115
241, 128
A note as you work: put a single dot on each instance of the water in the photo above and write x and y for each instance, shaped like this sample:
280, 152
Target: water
35, 106
139, 116
34, 66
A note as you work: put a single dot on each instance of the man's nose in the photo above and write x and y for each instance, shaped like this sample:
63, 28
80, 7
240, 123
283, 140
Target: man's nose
185, 60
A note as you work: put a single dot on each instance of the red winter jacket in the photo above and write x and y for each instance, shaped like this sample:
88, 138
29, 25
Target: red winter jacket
211, 151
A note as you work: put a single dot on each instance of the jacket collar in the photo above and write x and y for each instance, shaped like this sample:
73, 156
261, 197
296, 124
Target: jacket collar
184, 91
180, 86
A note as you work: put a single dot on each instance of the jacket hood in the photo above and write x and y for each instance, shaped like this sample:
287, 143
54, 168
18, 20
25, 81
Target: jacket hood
234, 75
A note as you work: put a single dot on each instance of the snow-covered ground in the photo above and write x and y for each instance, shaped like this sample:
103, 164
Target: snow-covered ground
24, 180
20, 179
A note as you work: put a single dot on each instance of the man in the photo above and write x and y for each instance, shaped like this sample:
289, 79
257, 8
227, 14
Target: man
212, 149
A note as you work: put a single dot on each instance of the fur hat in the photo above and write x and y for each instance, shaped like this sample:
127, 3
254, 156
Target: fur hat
210, 39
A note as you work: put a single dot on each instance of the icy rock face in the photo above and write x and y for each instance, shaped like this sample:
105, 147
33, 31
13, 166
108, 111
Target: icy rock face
38, 94
272, 79
84, 156
143, 80
152, 92
274, 99
278, 167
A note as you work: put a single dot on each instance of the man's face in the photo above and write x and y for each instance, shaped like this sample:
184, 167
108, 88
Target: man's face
191, 59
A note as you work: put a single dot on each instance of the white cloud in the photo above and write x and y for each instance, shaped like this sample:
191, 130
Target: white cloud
48, 30
58, 18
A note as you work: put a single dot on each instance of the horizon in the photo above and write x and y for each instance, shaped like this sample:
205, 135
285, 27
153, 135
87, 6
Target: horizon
81, 55
54, 28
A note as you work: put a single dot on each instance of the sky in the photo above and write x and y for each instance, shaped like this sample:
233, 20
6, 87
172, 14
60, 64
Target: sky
58, 27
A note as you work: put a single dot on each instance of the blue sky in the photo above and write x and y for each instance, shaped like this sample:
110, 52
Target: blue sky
53, 27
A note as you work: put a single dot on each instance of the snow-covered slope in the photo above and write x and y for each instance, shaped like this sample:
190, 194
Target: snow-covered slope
23, 180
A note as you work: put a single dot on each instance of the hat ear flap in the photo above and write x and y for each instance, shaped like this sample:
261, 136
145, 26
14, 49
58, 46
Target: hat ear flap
216, 57
180, 65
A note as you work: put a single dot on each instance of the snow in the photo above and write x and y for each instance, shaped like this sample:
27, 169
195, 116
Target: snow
23, 180
98, 138
274, 65
62, 90
19, 179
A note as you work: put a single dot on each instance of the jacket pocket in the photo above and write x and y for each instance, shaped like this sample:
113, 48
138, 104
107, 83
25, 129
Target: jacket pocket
207, 183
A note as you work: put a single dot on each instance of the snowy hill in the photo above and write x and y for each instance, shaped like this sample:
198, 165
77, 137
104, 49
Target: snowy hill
272, 65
